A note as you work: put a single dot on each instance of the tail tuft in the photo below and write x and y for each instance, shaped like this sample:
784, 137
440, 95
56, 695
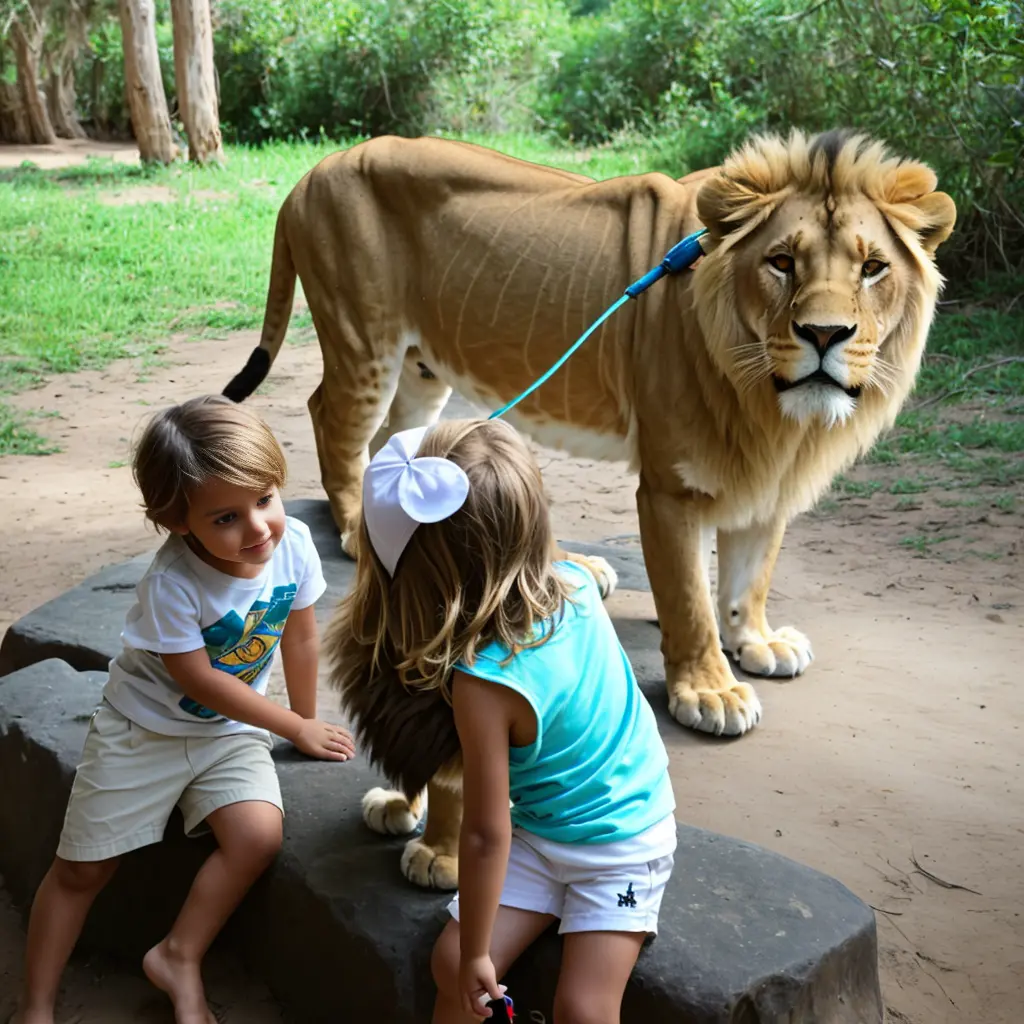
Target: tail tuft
251, 377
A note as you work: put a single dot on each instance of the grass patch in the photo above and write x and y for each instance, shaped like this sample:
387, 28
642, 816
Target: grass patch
17, 439
856, 488
922, 545
83, 282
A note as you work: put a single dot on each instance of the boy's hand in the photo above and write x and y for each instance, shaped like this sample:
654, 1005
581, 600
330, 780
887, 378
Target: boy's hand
478, 984
325, 741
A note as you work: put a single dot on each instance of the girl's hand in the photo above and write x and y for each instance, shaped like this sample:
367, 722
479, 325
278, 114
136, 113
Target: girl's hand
325, 741
478, 984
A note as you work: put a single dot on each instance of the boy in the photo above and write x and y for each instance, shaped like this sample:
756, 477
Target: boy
184, 718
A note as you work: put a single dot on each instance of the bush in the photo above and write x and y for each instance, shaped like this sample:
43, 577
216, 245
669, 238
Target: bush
99, 75
941, 80
402, 66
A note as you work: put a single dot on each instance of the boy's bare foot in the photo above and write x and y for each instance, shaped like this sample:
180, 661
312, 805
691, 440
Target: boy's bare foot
182, 981
32, 1017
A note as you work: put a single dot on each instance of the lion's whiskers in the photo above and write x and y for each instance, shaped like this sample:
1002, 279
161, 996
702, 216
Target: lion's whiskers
884, 376
752, 365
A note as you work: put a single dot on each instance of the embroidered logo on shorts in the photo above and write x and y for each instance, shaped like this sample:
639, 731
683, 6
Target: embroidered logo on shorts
627, 899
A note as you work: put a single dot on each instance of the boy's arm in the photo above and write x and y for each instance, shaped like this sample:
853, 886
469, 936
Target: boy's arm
483, 717
234, 699
300, 652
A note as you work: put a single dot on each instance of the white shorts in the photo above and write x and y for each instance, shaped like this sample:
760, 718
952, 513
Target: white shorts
591, 887
130, 779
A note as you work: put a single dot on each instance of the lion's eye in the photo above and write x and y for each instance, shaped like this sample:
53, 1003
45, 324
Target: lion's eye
782, 262
872, 268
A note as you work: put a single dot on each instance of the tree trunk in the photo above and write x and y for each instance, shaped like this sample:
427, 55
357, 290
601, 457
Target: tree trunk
14, 126
146, 100
28, 48
196, 79
60, 98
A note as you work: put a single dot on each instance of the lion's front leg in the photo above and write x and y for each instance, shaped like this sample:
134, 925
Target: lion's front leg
702, 692
432, 860
746, 559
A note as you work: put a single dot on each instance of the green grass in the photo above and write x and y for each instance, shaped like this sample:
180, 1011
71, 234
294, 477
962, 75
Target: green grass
82, 282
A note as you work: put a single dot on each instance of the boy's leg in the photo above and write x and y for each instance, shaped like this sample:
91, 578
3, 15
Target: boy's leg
514, 931
249, 838
125, 787
58, 913
595, 969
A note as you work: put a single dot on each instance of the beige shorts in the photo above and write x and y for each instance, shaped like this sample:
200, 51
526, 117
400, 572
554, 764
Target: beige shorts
130, 779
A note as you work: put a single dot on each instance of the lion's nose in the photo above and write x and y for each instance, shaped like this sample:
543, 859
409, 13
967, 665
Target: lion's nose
824, 336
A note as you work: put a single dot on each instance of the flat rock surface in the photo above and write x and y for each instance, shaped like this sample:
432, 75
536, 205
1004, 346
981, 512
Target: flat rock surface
746, 935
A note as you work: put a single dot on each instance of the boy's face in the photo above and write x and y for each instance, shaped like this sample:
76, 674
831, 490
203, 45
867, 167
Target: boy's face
238, 528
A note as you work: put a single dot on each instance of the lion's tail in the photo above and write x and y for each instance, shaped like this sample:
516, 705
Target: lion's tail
280, 295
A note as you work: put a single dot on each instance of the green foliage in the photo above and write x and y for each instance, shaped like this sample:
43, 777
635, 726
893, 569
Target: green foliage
302, 67
940, 80
102, 102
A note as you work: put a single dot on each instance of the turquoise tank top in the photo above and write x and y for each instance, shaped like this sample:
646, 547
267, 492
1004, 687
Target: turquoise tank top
598, 770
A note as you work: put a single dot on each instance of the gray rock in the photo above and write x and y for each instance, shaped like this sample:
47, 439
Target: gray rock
747, 936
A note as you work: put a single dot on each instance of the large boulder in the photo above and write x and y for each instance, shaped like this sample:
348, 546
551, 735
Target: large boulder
746, 936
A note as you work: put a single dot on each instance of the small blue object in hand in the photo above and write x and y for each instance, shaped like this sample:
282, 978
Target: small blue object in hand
501, 1007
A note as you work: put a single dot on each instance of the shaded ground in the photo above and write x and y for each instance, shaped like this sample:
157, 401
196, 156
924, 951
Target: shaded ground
902, 742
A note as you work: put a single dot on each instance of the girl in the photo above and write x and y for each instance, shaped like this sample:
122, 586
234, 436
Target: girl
459, 591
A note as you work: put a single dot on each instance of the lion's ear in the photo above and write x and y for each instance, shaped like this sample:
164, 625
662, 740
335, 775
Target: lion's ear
931, 214
938, 215
724, 203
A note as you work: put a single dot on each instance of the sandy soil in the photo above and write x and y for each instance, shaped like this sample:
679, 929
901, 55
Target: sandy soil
901, 744
902, 741
67, 153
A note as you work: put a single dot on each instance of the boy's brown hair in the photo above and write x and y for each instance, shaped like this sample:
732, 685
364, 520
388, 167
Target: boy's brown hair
185, 445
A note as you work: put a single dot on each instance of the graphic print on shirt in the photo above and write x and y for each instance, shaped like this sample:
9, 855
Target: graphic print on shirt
244, 648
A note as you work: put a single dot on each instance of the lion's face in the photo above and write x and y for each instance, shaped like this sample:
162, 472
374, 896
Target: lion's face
826, 258
822, 285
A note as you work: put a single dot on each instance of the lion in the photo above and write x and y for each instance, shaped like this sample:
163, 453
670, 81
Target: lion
736, 390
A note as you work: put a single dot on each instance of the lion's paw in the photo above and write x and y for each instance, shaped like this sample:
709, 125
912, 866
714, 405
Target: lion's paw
389, 812
601, 569
729, 712
426, 867
783, 653
350, 543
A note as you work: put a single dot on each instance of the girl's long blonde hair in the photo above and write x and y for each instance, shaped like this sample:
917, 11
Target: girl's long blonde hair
484, 574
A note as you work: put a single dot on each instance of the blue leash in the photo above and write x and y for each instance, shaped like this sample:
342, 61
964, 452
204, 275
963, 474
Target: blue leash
682, 255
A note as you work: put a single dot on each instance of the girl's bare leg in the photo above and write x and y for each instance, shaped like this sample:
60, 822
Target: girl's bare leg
514, 931
595, 969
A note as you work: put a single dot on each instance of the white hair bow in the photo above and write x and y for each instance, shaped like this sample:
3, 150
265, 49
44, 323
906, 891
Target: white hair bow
400, 491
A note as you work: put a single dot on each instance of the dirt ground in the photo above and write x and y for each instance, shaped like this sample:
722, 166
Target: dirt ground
895, 758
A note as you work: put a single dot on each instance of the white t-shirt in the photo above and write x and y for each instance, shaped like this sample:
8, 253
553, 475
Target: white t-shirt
183, 605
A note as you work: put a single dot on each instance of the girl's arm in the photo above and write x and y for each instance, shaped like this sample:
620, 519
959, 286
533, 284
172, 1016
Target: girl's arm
300, 651
484, 713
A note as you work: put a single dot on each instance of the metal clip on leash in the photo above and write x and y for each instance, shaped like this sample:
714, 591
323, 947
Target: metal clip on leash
682, 255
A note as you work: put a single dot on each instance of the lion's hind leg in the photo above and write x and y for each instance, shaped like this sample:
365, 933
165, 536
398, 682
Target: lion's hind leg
419, 400
361, 374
